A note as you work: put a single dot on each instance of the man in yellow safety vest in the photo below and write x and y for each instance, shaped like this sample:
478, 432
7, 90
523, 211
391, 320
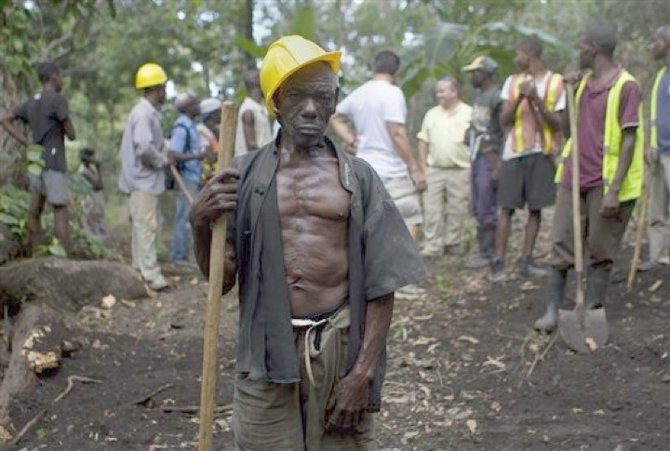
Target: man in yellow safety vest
658, 155
611, 154
533, 101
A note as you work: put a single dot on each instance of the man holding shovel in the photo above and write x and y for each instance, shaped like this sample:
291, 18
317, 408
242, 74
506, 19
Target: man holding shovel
308, 242
610, 144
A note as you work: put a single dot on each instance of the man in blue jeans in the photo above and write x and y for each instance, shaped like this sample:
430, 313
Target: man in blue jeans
186, 152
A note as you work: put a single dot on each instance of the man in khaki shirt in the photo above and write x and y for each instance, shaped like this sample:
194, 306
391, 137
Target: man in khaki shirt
445, 159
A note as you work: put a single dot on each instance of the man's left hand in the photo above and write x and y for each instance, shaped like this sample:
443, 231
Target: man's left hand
610, 205
348, 404
527, 89
419, 179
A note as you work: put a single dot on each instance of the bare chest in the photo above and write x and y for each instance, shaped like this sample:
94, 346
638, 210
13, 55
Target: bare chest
312, 190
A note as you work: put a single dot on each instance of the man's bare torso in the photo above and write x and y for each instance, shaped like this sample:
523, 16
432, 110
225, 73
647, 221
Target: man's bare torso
314, 212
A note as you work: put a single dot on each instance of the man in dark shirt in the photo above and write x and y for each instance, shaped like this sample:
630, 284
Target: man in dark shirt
610, 146
308, 242
48, 117
485, 139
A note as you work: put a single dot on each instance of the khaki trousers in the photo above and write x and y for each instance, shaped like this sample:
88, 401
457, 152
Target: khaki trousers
291, 417
445, 205
659, 210
601, 236
144, 215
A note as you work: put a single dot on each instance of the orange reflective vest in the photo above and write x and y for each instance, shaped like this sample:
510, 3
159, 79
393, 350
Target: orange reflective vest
524, 130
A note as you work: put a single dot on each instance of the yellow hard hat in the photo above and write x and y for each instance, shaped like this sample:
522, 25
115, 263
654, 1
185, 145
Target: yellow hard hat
148, 75
284, 57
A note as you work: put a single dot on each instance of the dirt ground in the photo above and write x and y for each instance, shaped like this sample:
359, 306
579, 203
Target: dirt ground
465, 372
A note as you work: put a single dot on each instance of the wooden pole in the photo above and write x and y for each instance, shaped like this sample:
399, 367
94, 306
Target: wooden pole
639, 233
180, 183
216, 269
576, 209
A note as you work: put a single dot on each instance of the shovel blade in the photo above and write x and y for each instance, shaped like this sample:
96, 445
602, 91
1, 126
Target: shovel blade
583, 331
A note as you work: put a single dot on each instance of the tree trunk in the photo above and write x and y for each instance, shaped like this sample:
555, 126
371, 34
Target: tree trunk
248, 31
13, 90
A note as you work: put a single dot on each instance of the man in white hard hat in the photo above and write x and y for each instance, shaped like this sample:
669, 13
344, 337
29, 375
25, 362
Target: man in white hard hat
309, 228
208, 128
144, 157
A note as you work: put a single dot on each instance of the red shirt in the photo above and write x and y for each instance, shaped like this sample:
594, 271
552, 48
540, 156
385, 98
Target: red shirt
591, 129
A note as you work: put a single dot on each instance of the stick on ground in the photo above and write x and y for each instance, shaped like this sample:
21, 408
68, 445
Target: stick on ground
70, 385
143, 400
27, 427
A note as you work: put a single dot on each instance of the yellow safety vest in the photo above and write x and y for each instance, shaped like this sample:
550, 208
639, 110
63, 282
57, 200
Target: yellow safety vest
653, 139
551, 94
631, 187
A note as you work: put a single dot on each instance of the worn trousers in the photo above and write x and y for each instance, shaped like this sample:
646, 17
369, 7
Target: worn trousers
181, 227
659, 210
601, 236
144, 216
484, 196
445, 208
292, 417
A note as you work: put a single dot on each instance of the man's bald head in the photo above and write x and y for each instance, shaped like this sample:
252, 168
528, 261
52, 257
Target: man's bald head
659, 46
602, 38
251, 80
187, 103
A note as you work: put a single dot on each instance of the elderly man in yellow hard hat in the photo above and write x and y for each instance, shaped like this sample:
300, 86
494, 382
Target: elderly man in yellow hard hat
144, 157
318, 249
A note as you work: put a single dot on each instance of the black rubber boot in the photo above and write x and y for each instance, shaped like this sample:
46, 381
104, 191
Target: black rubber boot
597, 281
556, 288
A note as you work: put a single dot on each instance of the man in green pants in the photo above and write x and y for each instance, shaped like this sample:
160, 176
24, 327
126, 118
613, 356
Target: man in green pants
308, 242
610, 171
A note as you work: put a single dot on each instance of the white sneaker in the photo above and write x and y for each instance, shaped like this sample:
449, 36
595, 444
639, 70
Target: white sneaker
410, 292
159, 284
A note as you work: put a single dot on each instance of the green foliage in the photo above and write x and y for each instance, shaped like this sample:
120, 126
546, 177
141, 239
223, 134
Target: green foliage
445, 48
250, 47
15, 51
14, 211
35, 162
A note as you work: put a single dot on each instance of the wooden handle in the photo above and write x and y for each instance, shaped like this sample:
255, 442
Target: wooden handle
576, 209
216, 277
639, 233
180, 183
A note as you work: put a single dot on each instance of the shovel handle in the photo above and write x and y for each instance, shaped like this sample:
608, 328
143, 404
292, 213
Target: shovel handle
216, 276
180, 183
576, 208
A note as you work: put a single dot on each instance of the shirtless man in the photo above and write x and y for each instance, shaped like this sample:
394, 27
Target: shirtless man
308, 244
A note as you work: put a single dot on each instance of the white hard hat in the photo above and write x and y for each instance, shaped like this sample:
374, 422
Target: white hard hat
209, 106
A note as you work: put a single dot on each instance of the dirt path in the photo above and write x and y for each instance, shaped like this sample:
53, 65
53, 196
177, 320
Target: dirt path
462, 373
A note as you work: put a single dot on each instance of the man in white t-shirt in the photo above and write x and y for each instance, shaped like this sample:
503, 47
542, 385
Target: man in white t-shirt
254, 127
533, 101
378, 110
446, 160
